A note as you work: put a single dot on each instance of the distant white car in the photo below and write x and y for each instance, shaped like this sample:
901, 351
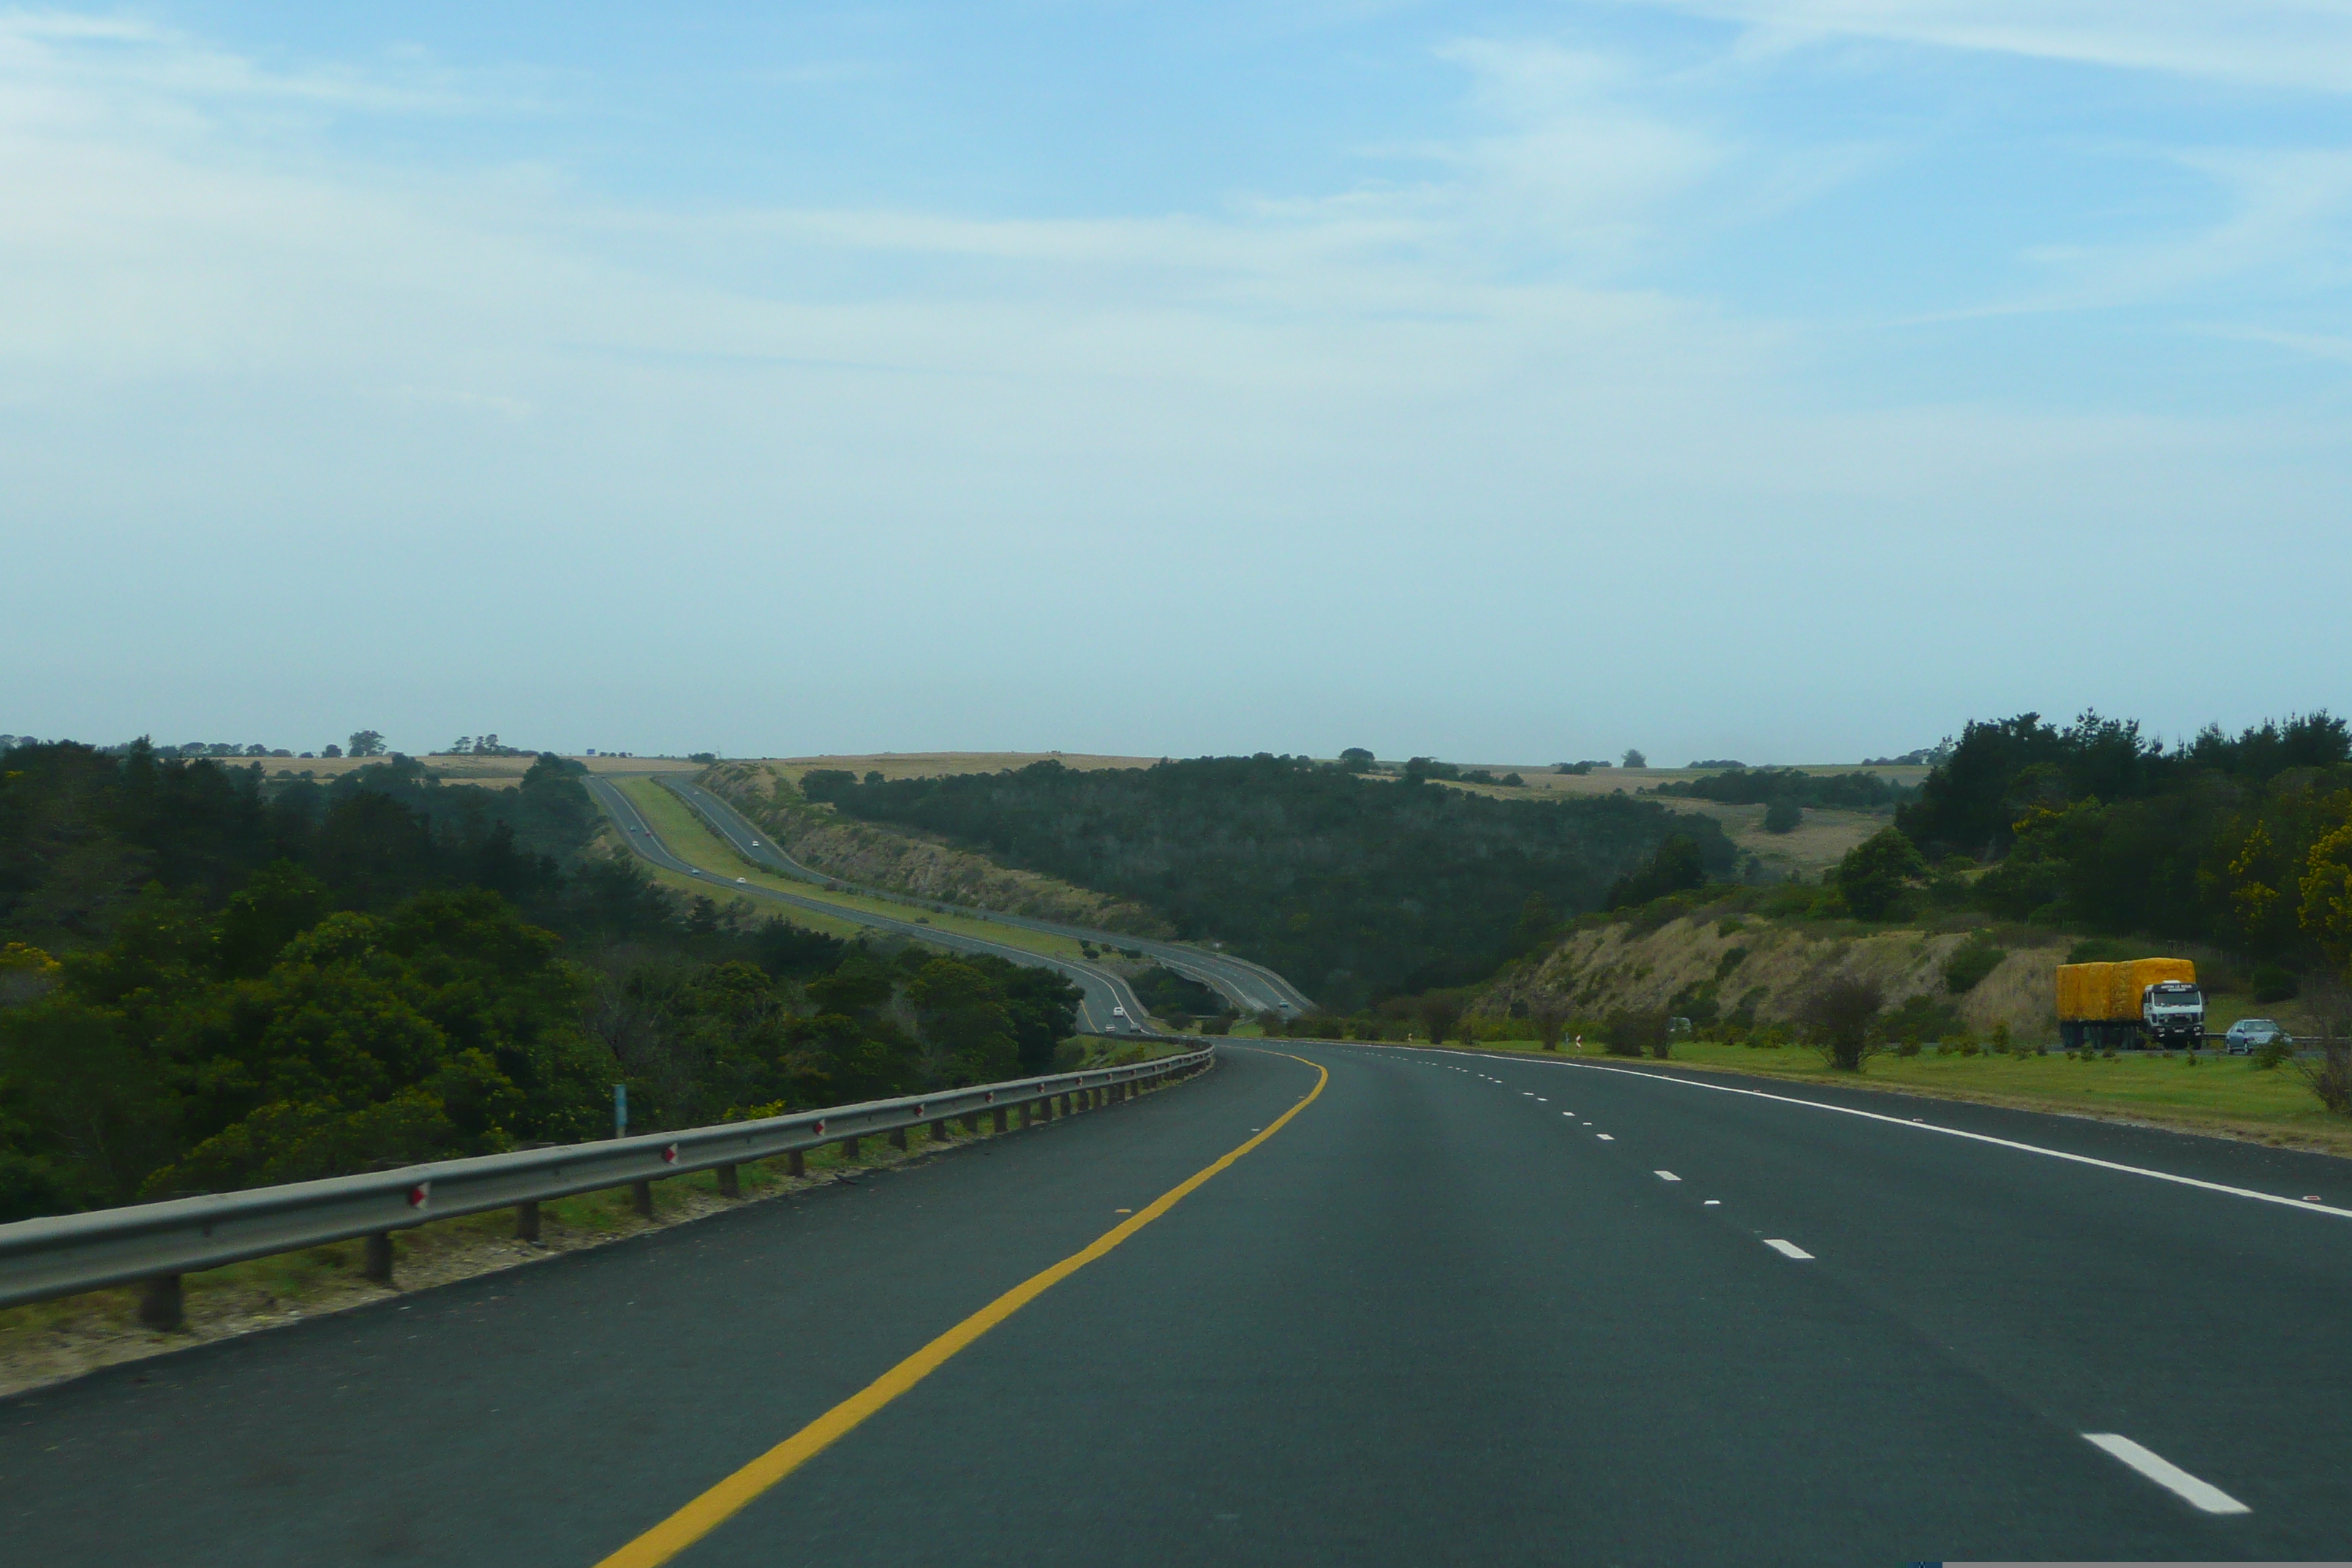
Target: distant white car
744, 881
1118, 1012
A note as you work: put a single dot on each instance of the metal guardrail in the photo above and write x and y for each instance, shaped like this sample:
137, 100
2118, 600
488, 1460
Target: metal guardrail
64, 1255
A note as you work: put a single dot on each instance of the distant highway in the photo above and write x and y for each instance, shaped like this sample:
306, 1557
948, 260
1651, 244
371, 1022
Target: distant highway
1252, 988
1456, 1309
1103, 989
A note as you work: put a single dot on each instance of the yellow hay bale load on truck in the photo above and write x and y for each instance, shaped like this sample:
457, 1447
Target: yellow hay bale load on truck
2128, 1005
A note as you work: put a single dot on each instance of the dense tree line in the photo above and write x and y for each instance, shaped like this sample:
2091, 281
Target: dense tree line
1356, 888
1739, 785
211, 980
2243, 840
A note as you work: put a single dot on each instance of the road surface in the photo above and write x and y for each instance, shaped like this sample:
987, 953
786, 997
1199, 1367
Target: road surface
1252, 988
1456, 1310
1104, 992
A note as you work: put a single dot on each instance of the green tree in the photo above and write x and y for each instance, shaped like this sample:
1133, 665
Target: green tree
367, 744
960, 1011
1635, 759
1356, 760
1783, 816
1875, 873
1537, 925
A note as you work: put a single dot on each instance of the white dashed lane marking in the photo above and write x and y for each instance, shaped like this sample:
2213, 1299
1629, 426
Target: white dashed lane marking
1605, 1138
1789, 1250
2201, 1495
1665, 1175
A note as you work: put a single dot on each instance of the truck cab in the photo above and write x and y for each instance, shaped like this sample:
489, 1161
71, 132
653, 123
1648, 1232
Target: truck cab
2174, 1014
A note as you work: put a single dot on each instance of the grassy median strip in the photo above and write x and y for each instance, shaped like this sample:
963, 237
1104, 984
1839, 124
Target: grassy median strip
2226, 1096
688, 837
49, 1341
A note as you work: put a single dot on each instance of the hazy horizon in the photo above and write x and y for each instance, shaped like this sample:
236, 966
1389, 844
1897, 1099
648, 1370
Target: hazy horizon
1787, 380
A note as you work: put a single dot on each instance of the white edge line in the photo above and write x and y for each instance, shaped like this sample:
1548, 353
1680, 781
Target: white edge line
1789, 1250
2201, 1494
2300, 1204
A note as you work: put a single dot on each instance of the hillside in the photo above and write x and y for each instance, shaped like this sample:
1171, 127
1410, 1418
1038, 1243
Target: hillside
1750, 967
1355, 887
903, 860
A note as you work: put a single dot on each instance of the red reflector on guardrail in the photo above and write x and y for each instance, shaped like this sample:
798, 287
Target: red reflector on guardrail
420, 1194
669, 1155
819, 1124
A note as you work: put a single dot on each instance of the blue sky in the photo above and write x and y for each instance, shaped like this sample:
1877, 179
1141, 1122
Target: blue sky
1785, 379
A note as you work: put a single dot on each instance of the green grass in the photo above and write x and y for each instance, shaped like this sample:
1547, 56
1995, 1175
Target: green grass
686, 836
2224, 1095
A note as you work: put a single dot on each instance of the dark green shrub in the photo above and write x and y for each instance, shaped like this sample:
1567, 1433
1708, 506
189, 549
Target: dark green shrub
2273, 1053
1928, 1018
1838, 1016
1628, 1032
1782, 816
2275, 982
1970, 963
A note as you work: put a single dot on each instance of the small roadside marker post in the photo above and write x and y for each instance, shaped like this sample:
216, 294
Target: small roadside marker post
620, 1110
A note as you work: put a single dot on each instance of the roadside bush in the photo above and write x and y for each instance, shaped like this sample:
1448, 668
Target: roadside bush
1782, 816
1838, 1016
2330, 1077
1910, 1046
2001, 1045
1628, 1032
2273, 1054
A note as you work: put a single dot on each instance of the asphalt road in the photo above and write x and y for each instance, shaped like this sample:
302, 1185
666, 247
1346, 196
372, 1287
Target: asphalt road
1108, 1003
1452, 1313
1250, 987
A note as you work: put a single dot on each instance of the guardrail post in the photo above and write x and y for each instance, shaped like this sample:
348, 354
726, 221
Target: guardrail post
938, 1132
996, 1119
898, 1138
849, 1148
972, 1122
527, 1220
1046, 1107
1028, 1114
641, 1199
796, 1163
729, 1185
376, 1263
161, 1305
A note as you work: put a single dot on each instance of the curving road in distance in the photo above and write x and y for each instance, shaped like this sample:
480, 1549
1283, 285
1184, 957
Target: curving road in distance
1104, 991
1252, 988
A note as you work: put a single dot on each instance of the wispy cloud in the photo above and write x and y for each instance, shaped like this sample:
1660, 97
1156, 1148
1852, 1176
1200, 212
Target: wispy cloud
2304, 44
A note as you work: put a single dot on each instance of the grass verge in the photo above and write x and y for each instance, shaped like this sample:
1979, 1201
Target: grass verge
2222, 1096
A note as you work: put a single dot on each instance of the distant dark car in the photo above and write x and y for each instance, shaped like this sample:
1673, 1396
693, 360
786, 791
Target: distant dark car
2248, 1036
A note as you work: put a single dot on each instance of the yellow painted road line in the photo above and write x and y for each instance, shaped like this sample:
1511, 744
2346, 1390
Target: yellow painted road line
721, 1502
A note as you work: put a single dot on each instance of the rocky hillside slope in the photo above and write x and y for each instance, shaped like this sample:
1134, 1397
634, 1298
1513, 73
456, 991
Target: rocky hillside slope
1751, 969
910, 863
